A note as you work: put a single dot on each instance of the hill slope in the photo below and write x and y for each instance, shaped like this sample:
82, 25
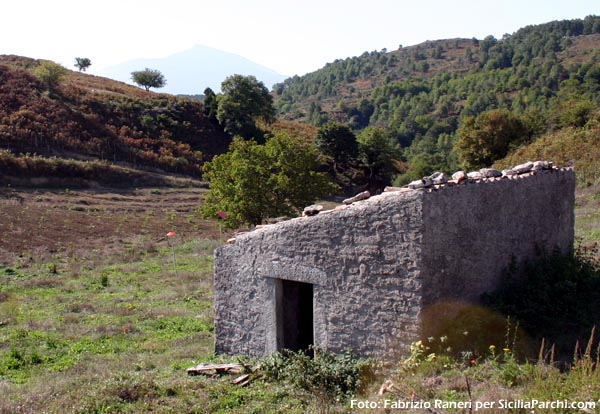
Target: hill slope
422, 94
191, 71
537, 56
93, 118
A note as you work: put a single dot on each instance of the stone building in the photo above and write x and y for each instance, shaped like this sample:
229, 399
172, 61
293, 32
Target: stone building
361, 276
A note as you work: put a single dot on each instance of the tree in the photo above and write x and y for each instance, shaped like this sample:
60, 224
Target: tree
50, 73
337, 141
573, 112
379, 154
82, 63
244, 100
488, 137
148, 78
210, 104
252, 182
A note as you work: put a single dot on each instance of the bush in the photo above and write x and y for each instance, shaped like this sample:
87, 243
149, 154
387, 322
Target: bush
50, 74
325, 379
556, 297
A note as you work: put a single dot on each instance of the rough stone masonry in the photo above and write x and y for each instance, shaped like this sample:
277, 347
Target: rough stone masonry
361, 276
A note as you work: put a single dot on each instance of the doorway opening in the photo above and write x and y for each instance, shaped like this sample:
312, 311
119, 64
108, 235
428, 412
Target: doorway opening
294, 315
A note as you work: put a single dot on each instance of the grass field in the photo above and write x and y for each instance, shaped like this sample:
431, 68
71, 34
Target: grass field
96, 316
101, 313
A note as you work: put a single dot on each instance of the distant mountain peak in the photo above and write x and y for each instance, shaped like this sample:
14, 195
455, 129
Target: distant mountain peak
192, 70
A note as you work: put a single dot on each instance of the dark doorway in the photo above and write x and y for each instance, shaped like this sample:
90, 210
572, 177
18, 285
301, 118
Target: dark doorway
294, 315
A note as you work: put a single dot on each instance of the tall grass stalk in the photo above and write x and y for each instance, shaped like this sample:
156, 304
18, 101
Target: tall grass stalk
170, 235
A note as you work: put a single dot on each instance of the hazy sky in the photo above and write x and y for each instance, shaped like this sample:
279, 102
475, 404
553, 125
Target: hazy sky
289, 36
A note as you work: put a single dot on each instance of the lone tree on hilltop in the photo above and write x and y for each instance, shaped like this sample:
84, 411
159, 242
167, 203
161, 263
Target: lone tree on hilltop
50, 73
82, 63
148, 78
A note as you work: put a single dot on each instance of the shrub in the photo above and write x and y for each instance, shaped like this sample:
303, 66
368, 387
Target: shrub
556, 297
50, 73
324, 379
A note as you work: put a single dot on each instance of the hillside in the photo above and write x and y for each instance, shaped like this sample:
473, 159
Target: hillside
336, 89
422, 94
93, 118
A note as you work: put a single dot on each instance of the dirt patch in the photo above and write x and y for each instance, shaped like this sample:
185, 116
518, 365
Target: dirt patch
37, 224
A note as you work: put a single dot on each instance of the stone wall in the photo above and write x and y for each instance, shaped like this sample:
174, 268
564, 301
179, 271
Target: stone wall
363, 263
376, 264
472, 232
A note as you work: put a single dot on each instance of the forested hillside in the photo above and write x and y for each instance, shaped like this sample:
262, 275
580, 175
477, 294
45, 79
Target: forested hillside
92, 118
548, 76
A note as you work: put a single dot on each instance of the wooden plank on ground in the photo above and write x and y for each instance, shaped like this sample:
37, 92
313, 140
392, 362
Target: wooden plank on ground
241, 379
211, 369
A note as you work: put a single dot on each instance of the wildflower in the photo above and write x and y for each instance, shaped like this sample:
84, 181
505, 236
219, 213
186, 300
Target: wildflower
171, 234
506, 350
472, 362
492, 348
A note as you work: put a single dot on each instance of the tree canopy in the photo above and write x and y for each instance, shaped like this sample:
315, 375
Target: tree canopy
252, 182
337, 141
82, 63
379, 154
210, 104
50, 73
488, 137
149, 78
244, 100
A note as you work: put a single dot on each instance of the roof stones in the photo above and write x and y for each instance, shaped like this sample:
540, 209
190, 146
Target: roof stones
312, 210
440, 180
523, 168
459, 176
475, 175
437, 178
358, 197
490, 172
434, 182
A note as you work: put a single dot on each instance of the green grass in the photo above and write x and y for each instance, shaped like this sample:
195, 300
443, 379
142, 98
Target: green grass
115, 334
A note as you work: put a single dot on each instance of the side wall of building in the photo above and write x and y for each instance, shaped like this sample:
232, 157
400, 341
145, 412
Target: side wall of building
472, 232
363, 262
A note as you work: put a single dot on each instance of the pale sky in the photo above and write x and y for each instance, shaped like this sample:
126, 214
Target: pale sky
288, 36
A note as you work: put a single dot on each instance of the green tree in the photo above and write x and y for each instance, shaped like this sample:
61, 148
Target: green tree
50, 73
379, 154
337, 141
252, 182
210, 104
82, 63
148, 78
244, 100
573, 112
488, 137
